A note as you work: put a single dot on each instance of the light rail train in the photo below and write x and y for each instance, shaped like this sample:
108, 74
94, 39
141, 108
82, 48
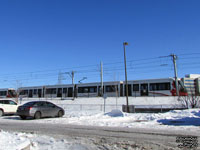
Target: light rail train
136, 88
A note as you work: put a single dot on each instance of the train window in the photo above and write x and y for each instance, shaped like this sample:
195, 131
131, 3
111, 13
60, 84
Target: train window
35, 91
111, 88
92, 89
159, 86
21, 92
153, 86
83, 90
87, 89
24, 92
135, 87
80, 90
3, 93
51, 91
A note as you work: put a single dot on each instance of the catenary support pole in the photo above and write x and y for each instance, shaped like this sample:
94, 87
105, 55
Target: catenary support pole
127, 105
174, 57
101, 79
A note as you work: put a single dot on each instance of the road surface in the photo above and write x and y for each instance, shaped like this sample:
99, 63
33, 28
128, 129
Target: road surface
102, 137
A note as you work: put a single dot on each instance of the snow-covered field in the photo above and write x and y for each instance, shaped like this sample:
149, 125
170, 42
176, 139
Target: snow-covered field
173, 120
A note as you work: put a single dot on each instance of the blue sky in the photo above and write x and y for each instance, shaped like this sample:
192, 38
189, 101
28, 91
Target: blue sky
40, 38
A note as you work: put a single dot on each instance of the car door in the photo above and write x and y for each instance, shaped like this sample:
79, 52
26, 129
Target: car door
12, 106
6, 106
41, 107
2, 104
52, 109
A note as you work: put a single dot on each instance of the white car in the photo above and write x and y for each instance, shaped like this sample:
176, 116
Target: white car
8, 107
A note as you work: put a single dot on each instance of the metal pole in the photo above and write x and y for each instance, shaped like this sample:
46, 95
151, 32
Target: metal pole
102, 79
73, 85
127, 105
73, 77
175, 72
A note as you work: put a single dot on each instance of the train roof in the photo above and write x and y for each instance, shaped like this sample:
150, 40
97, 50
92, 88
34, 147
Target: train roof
99, 83
46, 86
152, 80
5, 89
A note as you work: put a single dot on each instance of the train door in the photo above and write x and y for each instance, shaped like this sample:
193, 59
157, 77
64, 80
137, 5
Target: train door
44, 92
30, 94
70, 92
75, 91
121, 90
39, 93
129, 90
59, 92
64, 92
144, 90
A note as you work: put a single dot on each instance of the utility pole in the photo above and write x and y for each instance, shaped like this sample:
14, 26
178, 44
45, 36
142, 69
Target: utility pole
127, 105
60, 78
101, 64
71, 74
174, 58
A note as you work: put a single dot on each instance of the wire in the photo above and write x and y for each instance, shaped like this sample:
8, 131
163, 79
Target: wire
150, 66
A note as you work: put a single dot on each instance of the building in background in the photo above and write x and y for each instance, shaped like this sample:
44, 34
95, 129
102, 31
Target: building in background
191, 83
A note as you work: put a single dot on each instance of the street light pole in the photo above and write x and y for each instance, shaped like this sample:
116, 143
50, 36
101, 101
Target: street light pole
127, 105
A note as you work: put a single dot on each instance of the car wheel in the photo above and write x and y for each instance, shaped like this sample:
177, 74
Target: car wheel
23, 117
1, 112
37, 115
60, 113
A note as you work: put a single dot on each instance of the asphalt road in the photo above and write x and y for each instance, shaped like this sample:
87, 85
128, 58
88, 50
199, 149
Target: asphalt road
102, 137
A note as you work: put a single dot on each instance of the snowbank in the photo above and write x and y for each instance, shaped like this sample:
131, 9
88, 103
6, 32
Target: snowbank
115, 113
13, 141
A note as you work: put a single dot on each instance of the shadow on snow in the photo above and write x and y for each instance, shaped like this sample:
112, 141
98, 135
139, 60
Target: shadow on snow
186, 121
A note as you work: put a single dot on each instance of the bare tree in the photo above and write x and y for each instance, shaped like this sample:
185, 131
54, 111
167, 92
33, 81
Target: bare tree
192, 100
17, 90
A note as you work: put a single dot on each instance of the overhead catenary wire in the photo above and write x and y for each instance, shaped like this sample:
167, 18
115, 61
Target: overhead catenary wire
140, 66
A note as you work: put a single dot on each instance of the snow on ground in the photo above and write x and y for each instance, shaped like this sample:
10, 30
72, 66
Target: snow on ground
173, 120
12, 141
18, 141
93, 115
91, 111
177, 119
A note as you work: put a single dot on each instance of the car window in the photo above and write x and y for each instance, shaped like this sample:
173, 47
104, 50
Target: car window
40, 104
50, 104
12, 103
29, 104
1, 102
6, 102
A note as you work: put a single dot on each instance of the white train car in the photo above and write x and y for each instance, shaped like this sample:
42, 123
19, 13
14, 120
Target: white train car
148, 87
7, 93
